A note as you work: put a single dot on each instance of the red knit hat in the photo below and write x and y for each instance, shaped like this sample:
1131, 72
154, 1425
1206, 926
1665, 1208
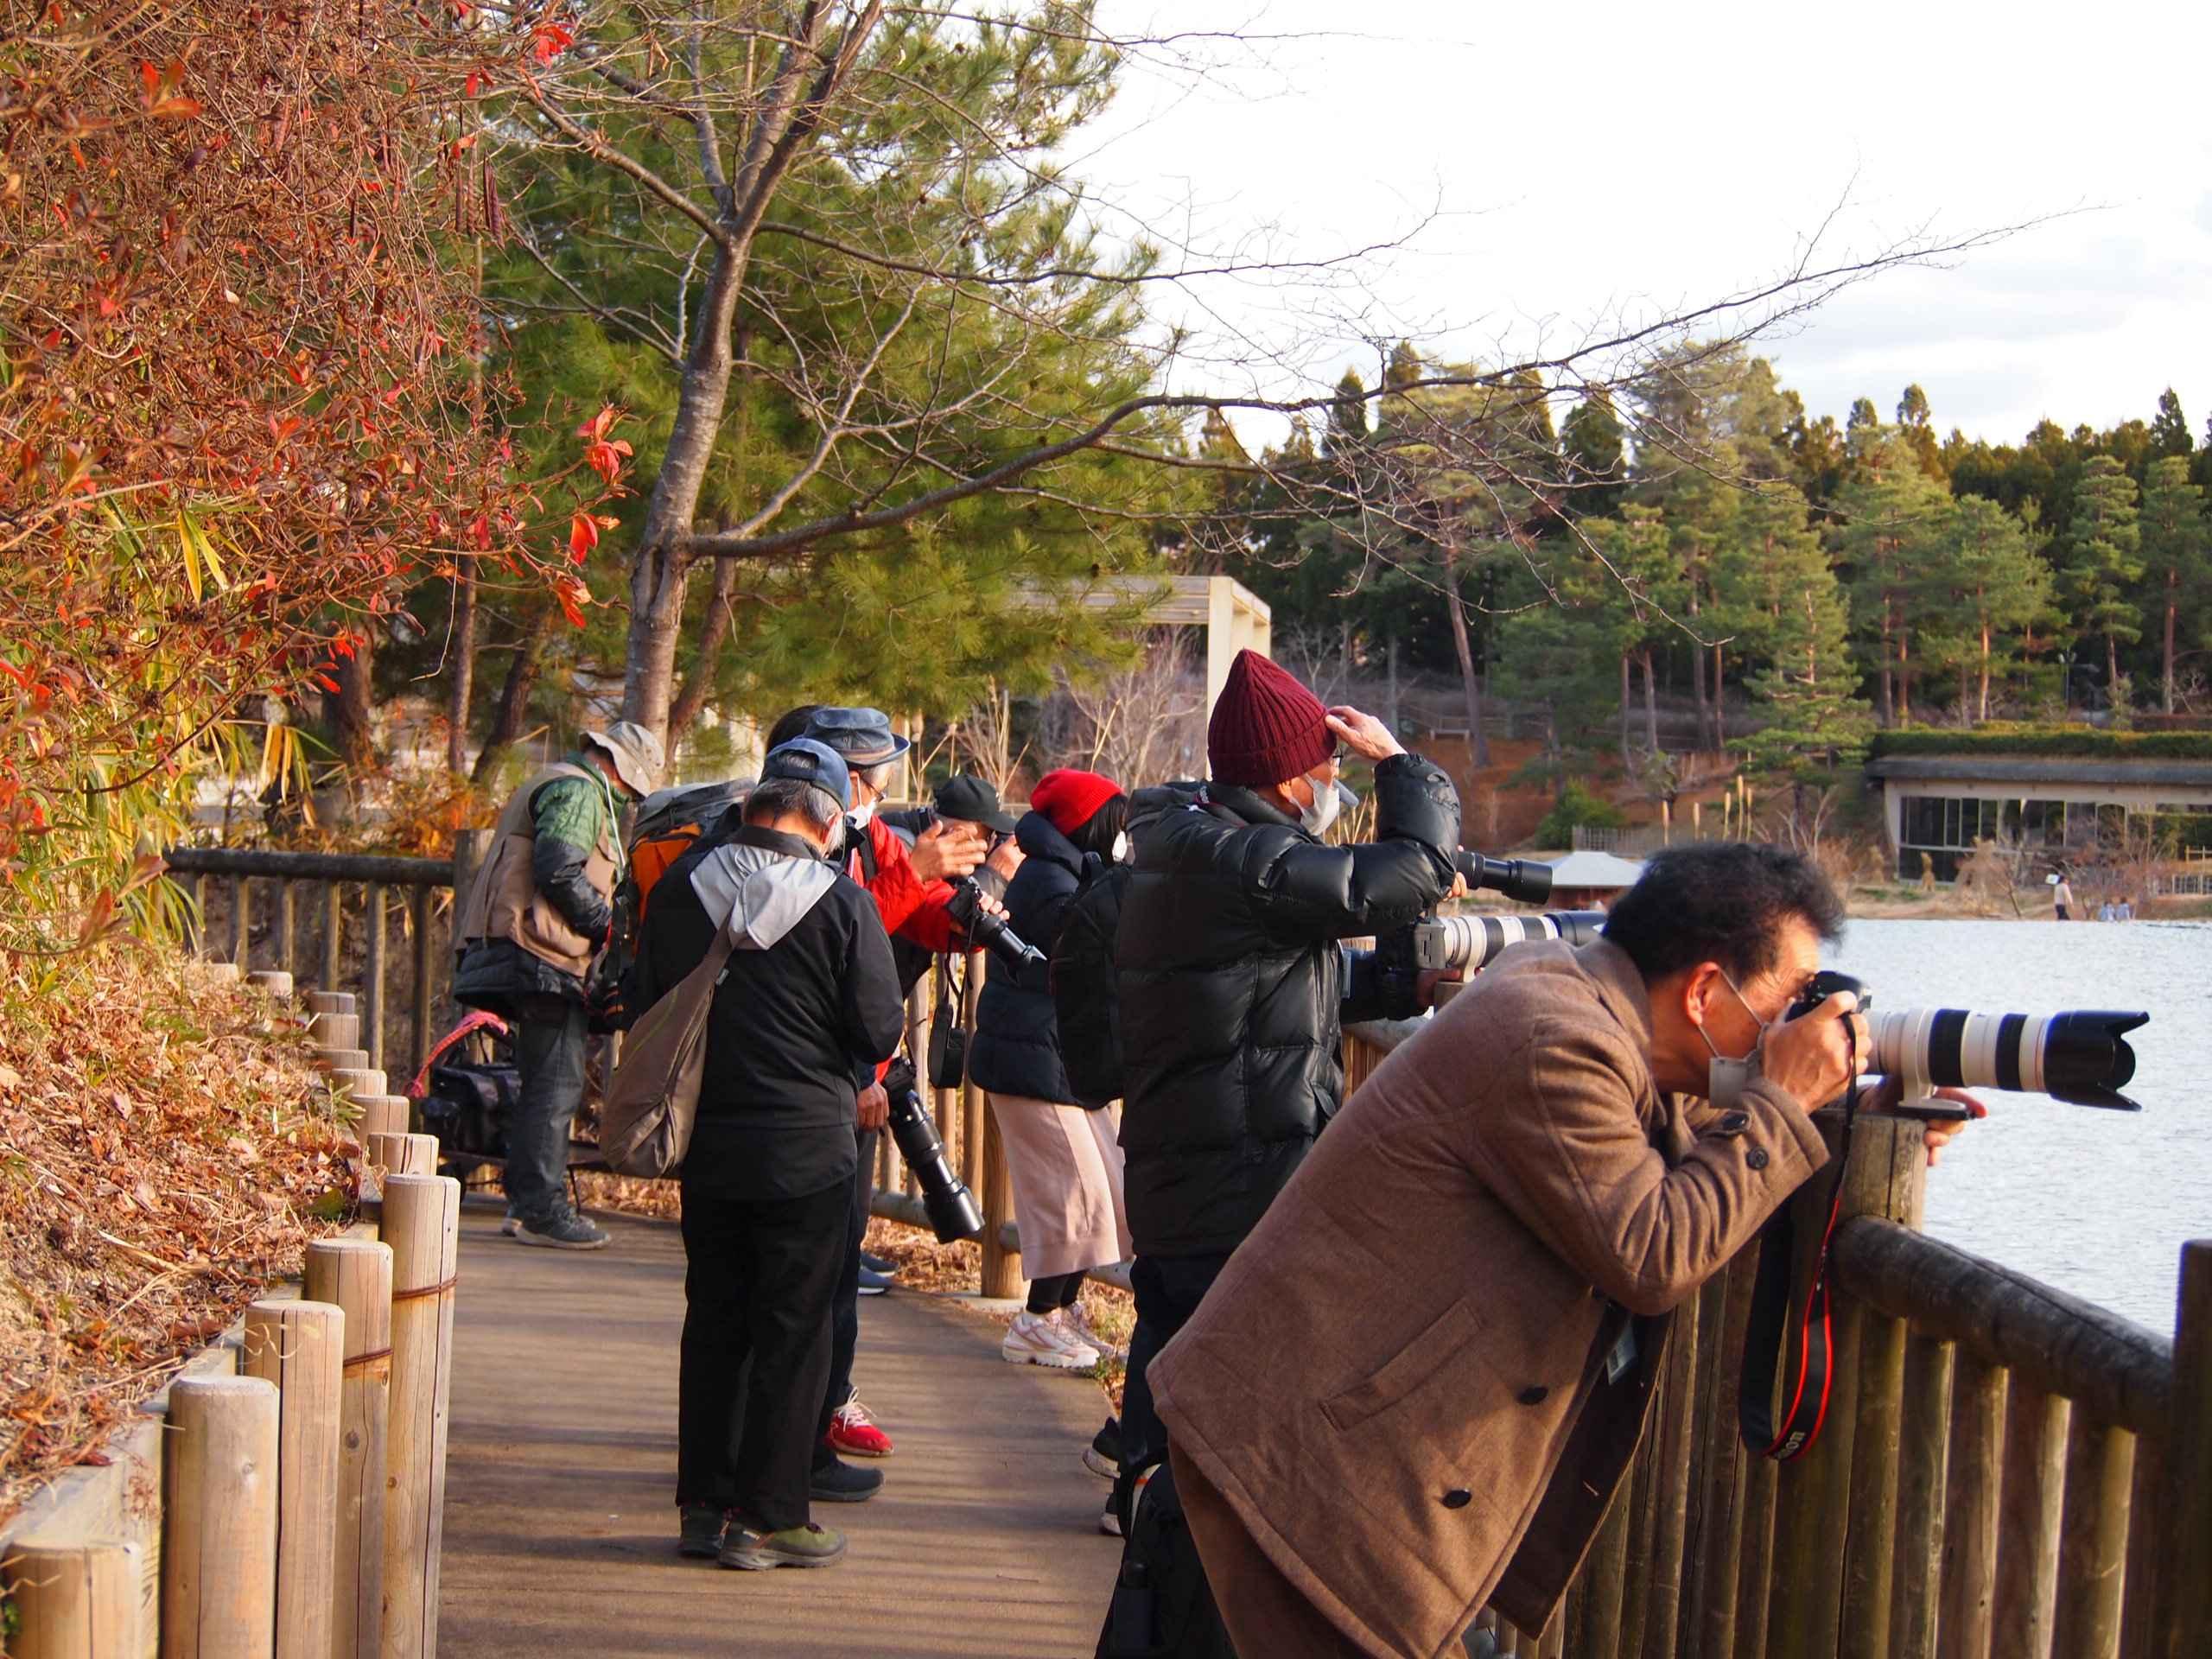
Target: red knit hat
1266, 726
1072, 798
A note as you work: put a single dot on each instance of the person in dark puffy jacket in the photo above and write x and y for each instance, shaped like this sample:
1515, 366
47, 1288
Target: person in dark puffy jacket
1063, 1160
1234, 982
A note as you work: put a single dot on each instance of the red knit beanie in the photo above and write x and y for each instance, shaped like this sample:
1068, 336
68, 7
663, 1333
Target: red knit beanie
1266, 726
1072, 798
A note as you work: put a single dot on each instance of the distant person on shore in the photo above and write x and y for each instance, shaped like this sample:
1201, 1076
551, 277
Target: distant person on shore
2062, 900
539, 911
805, 1006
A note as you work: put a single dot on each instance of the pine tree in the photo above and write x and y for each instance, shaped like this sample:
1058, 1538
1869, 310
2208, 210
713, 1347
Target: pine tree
2104, 558
1888, 519
2177, 550
1592, 442
1916, 425
2170, 428
1348, 420
1986, 561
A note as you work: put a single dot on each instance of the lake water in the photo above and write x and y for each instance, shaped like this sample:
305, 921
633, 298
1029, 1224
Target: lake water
2095, 1203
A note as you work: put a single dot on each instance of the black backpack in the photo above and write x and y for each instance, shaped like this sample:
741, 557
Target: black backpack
1086, 986
1163, 1608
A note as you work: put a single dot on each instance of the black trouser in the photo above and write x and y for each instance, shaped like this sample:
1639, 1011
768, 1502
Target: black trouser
845, 1303
550, 1054
1168, 1291
1055, 1291
758, 1280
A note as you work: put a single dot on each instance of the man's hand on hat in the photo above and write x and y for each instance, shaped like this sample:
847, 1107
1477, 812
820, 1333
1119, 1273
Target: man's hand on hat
948, 849
1364, 736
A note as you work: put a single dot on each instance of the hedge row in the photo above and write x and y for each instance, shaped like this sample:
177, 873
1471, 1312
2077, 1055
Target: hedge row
2049, 741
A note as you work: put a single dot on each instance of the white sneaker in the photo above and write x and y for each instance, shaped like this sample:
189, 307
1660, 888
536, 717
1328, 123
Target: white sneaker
1071, 1321
1032, 1339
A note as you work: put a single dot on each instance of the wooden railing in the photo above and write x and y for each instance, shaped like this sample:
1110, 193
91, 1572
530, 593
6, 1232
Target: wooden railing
296, 912
2005, 1472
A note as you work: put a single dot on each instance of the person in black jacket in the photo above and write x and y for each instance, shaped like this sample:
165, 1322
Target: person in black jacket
806, 1008
1235, 983
1064, 1162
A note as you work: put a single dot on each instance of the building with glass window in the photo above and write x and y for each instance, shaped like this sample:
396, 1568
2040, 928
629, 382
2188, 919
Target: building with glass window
2058, 807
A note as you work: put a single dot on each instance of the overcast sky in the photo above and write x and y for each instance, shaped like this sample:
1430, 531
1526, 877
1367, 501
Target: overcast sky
1595, 160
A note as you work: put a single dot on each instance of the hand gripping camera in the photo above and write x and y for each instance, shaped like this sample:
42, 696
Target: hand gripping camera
2080, 1057
954, 1214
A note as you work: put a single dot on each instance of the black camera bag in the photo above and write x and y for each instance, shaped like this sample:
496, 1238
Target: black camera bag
1163, 1607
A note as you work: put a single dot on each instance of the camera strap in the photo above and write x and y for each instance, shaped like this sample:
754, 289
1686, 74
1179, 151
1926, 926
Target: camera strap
1772, 1325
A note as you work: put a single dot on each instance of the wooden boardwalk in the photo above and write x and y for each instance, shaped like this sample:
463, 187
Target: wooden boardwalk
560, 1520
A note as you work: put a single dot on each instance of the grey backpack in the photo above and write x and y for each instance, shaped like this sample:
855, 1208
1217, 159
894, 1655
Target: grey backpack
652, 1100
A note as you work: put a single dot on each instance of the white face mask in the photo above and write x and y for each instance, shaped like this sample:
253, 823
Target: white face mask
1122, 846
859, 816
1328, 801
1727, 1079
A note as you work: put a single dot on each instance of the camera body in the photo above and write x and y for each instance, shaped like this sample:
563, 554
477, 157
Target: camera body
986, 929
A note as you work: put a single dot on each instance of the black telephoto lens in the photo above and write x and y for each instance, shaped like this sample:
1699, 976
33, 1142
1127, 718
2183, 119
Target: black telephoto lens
988, 930
954, 1214
1517, 879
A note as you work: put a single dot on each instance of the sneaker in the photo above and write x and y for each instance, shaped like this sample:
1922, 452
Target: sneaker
1033, 1339
511, 1221
852, 1431
563, 1230
882, 1264
835, 1482
872, 1282
1110, 1520
808, 1546
1102, 1457
1071, 1319
701, 1534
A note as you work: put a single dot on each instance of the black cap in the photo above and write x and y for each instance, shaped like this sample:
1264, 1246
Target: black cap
972, 800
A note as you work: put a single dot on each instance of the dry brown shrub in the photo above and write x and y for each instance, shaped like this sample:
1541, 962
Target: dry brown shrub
165, 1151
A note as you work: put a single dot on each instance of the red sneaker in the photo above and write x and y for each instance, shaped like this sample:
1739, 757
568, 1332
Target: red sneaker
854, 1432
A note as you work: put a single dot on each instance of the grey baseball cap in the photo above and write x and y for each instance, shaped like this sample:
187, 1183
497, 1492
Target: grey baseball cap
813, 763
863, 736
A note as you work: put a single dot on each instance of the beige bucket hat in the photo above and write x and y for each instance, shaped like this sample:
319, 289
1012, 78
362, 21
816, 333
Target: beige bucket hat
636, 752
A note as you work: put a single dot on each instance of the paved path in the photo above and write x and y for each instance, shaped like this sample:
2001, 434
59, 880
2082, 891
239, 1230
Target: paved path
560, 1519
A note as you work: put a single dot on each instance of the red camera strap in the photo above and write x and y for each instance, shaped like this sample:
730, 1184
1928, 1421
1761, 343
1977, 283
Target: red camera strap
1771, 1324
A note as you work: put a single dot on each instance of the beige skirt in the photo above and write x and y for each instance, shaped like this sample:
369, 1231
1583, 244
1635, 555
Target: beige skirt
1066, 1171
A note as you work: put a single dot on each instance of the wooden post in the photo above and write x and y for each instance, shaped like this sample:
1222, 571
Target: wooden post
2027, 1517
1924, 1443
468, 848
373, 991
195, 921
2185, 1558
2093, 1540
286, 919
1754, 1578
386, 1114
1966, 1621
219, 1554
1670, 1487
1870, 1549
355, 1274
1604, 1571
75, 1599
274, 981
1711, 1631
333, 916
421, 1223
425, 986
242, 921
1814, 1493
1636, 1586
299, 1347
2138, 1611
405, 1154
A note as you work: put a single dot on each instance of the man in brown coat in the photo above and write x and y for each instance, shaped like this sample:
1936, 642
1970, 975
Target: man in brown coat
1418, 1384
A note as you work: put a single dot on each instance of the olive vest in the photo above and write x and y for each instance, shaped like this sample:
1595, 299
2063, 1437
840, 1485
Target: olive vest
504, 902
